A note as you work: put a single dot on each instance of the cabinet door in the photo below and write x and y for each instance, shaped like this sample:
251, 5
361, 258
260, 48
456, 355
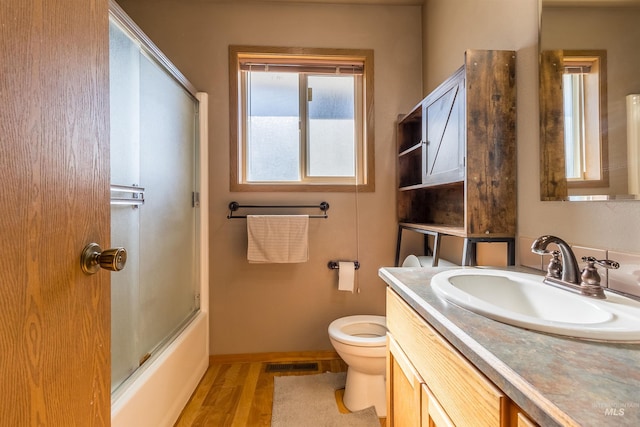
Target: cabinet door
433, 415
523, 421
444, 156
466, 395
403, 389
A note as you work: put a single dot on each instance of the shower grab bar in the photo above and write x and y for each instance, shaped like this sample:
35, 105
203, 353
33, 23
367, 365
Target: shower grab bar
136, 199
234, 206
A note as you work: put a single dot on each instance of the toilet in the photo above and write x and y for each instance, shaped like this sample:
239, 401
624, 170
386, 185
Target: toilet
361, 342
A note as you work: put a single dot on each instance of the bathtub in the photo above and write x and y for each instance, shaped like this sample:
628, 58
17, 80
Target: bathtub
161, 389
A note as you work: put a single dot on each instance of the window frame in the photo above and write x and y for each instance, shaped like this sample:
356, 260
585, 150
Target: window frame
364, 152
596, 131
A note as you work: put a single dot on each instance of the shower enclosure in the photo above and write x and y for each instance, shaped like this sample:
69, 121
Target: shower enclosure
155, 211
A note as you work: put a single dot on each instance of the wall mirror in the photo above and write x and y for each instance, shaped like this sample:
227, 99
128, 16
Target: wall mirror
589, 100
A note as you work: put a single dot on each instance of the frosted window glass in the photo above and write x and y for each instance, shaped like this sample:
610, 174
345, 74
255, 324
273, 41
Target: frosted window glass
273, 135
573, 137
331, 126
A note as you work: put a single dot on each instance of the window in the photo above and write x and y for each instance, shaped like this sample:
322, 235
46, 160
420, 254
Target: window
585, 118
301, 119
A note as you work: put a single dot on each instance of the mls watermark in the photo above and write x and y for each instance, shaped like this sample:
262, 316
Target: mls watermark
617, 409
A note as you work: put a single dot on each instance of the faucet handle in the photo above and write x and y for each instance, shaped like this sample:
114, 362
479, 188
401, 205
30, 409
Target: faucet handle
590, 276
606, 263
554, 269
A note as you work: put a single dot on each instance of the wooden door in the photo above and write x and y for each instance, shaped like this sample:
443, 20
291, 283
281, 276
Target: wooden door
54, 199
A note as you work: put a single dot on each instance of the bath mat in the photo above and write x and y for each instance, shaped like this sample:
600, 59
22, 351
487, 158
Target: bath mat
309, 400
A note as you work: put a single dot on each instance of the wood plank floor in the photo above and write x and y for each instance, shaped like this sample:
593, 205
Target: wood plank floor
238, 392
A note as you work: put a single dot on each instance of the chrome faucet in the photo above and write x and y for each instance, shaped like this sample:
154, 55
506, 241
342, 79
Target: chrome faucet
565, 273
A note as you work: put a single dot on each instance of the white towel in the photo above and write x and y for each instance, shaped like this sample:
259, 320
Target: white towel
278, 238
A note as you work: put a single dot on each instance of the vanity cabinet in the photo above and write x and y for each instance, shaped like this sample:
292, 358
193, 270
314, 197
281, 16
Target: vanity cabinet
429, 383
457, 155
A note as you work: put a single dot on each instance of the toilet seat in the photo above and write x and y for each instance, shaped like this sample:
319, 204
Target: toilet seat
360, 330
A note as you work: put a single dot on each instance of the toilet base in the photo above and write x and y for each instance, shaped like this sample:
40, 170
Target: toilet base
364, 390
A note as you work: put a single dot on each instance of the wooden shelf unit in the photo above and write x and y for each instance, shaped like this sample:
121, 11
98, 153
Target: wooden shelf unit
457, 156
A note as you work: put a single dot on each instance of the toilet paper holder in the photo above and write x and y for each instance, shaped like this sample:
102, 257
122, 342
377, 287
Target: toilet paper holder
334, 265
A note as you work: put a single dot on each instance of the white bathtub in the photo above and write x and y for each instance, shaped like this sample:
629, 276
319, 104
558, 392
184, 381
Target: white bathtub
162, 387
161, 390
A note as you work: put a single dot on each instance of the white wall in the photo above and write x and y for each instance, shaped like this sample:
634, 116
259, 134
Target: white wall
450, 27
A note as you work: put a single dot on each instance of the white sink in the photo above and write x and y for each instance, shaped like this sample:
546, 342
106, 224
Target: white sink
523, 300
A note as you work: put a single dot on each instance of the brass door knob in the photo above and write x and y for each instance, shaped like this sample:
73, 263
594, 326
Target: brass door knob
93, 258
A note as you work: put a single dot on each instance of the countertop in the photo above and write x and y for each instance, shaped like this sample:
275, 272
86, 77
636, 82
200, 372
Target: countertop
557, 381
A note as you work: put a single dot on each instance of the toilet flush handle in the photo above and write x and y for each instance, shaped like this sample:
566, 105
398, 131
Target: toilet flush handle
93, 258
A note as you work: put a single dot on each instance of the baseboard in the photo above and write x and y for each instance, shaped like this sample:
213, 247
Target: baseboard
290, 356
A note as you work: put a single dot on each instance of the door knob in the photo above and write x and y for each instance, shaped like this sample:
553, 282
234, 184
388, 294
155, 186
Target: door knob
93, 258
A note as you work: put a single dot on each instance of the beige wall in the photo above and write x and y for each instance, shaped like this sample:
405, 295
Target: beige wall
450, 27
284, 308
263, 308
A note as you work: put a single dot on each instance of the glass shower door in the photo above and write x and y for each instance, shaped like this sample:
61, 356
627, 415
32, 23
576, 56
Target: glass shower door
153, 214
125, 219
168, 267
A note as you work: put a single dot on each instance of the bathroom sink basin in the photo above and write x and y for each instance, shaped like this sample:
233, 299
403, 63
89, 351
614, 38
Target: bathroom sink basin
523, 300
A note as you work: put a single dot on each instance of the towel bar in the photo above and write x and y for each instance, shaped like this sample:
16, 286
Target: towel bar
234, 206
136, 199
